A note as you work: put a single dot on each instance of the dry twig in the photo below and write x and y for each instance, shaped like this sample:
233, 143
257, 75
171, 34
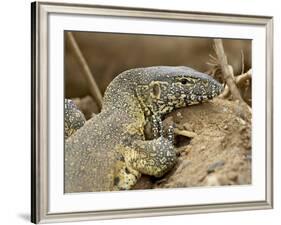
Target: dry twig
228, 76
226, 70
242, 62
93, 87
243, 77
239, 80
185, 133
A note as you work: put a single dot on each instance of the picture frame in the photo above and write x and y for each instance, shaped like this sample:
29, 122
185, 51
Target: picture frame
48, 22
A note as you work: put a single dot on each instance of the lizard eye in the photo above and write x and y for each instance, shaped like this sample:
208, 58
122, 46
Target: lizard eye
184, 81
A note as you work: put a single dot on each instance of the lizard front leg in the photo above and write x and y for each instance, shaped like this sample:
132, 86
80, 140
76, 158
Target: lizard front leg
171, 134
153, 157
154, 129
157, 126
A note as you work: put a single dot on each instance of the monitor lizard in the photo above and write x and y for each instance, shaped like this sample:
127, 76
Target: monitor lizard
111, 151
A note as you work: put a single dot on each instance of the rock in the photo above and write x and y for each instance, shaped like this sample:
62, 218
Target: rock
212, 180
187, 126
214, 166
179, 115
144, 182
232, 175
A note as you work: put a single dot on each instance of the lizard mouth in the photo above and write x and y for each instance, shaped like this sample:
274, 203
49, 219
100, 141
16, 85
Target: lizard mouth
196, 99
203, 95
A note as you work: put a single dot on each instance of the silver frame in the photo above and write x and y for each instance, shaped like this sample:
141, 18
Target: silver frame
39, 153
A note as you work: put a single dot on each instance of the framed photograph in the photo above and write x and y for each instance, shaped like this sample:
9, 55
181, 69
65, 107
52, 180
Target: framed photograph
147, 112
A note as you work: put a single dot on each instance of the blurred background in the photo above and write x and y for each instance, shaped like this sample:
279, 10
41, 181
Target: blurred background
109, 54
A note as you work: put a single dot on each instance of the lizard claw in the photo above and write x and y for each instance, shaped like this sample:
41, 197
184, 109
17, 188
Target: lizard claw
171, 134
157, 127
154, 127
160, 127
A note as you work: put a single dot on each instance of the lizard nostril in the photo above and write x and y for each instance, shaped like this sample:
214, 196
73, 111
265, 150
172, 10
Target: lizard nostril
199, 98
127, 171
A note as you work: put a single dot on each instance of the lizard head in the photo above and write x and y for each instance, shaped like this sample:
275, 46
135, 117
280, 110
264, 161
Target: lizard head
165, 88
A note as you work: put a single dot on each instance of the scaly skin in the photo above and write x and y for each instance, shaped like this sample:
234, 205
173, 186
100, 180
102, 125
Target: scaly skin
73, 118
110, 151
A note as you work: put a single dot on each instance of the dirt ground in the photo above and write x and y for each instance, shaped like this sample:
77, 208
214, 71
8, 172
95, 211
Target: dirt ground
214, 147
213, 141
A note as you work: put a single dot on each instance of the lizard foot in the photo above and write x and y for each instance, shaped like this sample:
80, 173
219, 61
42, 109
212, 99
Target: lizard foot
153, 157
126, 178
